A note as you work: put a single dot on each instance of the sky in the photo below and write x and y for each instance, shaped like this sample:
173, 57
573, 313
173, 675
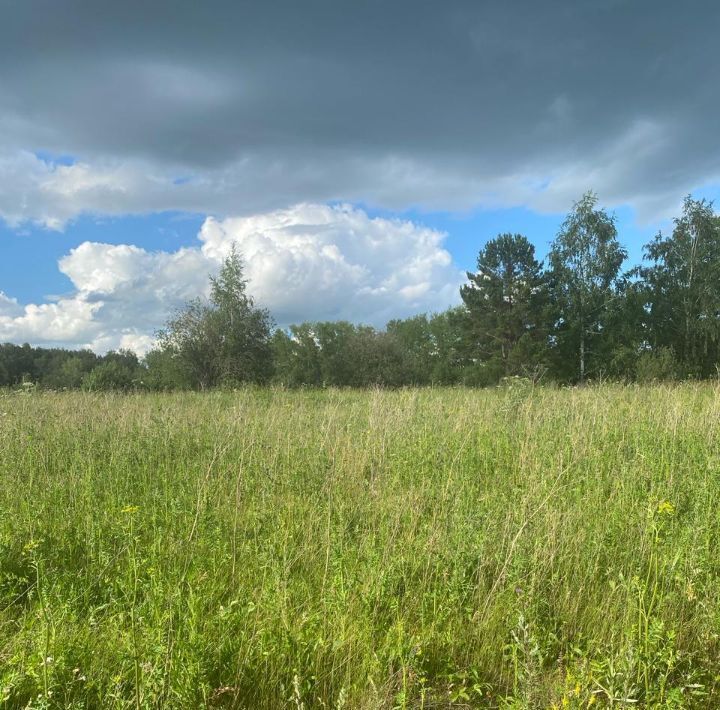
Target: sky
358, 153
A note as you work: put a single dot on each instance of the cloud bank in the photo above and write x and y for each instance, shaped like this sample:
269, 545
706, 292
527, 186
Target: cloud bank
308, 262
250, 107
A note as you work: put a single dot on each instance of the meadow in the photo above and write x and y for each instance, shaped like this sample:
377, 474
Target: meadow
509, 548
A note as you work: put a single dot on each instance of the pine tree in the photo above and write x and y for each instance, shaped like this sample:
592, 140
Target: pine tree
504, 301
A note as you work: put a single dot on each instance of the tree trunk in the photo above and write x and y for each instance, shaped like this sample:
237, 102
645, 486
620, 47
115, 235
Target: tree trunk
582, 356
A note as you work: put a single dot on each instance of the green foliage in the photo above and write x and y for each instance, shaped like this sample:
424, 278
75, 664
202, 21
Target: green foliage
241, 331
433, 348
656, 366
297, 356
338, 354
505, 303
585, 261
417, 341
164, 371
683, 289
118, 371
519, 547
224, 342
52, 368
69, 375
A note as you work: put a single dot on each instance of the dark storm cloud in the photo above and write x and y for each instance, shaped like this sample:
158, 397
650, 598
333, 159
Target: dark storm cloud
436, 104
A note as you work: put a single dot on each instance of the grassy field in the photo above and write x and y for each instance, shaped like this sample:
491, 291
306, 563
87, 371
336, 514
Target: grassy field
440, 548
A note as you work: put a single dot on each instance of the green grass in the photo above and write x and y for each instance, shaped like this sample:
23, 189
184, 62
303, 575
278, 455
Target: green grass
430, 548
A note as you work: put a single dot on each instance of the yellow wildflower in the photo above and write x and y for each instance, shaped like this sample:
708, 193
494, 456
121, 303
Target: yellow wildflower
665, 508
31, 545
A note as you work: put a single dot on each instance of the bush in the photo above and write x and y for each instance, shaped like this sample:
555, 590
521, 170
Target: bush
108, 376
656, 365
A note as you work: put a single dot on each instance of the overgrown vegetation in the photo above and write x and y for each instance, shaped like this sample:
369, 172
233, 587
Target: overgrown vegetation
516, 547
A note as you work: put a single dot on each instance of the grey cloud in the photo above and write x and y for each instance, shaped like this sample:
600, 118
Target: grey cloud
429, 104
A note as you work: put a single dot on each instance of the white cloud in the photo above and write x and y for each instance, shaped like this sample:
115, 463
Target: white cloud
320, 262
70, 320
100, 268
308, 262
9, 307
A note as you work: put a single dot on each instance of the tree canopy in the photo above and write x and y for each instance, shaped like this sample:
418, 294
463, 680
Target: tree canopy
505, 306
585, 261
226, 340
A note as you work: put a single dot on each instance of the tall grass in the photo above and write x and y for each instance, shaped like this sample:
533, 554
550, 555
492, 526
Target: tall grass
439, 548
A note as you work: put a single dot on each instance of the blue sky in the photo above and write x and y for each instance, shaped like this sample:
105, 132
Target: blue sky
29, 254
306, 133
467, 232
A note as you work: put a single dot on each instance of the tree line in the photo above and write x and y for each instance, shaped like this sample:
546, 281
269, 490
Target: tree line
577, 317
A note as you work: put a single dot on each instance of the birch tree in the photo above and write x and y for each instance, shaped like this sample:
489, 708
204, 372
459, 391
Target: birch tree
585, 261
683, 286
